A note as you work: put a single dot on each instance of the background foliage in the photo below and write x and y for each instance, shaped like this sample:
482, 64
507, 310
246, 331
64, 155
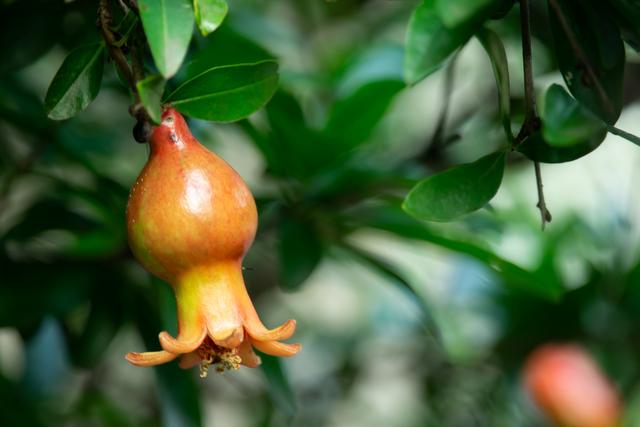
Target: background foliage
389, 145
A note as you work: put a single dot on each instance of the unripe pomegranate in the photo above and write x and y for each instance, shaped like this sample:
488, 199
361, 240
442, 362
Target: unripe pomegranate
191, 219
569, 387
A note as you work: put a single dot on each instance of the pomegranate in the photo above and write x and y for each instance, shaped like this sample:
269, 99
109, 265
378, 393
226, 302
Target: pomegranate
190, 220
569, 387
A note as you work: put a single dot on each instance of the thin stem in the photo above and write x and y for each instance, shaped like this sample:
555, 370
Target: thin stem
132, 74
624, 134
531, 119
545, 215
104, 15
529, 95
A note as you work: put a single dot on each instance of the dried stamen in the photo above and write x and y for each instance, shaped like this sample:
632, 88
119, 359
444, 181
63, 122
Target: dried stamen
223, 358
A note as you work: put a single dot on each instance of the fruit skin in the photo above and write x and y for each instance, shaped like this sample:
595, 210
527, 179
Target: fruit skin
184, 193
569, 387
190, 221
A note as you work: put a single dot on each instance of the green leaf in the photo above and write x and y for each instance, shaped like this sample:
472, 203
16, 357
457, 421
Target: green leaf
565, 121
541, 283
569, 131
429, 42
150, 90
278, 386
224, 47
168, 25
536, 148
456, 12
209, 14
76, 83
591, 56
353, 119
457, 191
300, 252
385, 270
498, 56
228, 93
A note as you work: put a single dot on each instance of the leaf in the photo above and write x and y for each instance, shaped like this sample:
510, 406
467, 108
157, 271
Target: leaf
541, 283
498, 56
456, 12
278, 386
76, 83
457, 191
227, 93
150, 90
224, 47
565, 121
381, 267
353, 119
168, 25
591, 57
209, 14
429, 42
300, 252
569, 131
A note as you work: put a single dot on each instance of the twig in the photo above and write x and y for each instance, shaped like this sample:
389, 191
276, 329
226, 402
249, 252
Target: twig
132, 74
545, 215
531, 120
104, 23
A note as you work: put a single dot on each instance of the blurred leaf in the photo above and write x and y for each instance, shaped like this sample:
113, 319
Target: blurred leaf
224, 47
590, 55
150, 90
227, 93
385, 270
33, 289
498, 56
627, 15
22, 107
541, 283
565, 121
19, 409
300, 252
278, 385
20, 47
209, 14
168, 26
456, 12
429, 42
378, 63
352, 120
106, 315
76, 83
457, 191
